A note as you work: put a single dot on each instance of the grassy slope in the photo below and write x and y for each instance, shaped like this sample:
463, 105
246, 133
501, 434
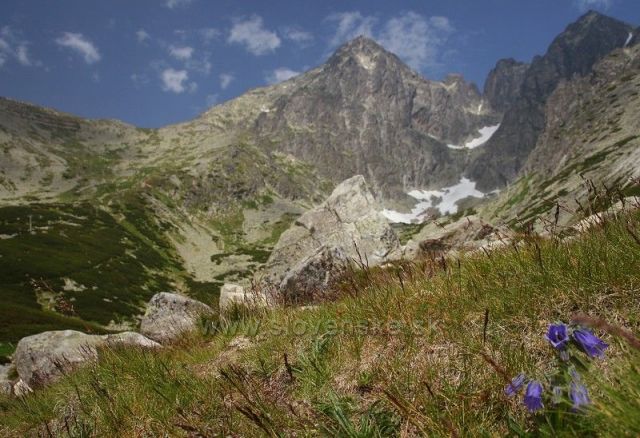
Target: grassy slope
117, 264
342, 379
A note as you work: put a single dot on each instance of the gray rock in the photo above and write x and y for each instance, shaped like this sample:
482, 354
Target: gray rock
231, 294
43, 358
5, 379
347, 227
170, 315
20, 389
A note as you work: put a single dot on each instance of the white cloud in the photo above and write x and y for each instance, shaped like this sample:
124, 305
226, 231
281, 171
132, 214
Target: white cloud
415, 38
585, 5
11, 46
22, 54
172, 4
181, 53
212, 99
177, 81
142, 36
280, 74
298, 36
209, 34
253, 36
225, 80
81, 45
350, 25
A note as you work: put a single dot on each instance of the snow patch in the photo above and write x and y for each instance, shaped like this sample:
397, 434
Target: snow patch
626, 43
444, 200
485, 135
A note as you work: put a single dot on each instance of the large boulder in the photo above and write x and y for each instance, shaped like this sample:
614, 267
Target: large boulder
42, 358
346, 228
169, 316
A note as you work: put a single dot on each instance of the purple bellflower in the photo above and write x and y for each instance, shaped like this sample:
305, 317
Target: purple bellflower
579, 395
533, 396
558, 336
516, 383
589, 343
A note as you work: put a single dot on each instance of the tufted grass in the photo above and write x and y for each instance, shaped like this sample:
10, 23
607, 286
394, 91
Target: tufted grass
415, 349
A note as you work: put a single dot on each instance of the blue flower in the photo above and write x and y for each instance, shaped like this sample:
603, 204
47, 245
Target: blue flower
558, 336
589, 343
579, 395
516, 383
533, 396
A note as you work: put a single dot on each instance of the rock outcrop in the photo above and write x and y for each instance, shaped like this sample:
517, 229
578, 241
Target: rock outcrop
170, 315
42, 358
503, 84
347, 227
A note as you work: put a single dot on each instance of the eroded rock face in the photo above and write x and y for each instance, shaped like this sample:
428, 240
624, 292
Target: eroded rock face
313, 252
169, 316
40, 359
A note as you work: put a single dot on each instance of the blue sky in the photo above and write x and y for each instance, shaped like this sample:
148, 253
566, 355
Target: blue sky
155, 62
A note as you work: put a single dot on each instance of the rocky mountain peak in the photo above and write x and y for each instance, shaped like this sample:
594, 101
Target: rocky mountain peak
365, 54
572, 53
502, 86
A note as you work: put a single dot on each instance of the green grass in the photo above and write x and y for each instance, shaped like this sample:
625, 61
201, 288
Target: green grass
402, 353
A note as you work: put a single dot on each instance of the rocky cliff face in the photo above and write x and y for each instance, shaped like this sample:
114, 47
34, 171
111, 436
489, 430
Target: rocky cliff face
502, 87
572, 53
365, 112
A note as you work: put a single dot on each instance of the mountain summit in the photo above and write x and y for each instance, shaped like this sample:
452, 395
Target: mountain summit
573, 52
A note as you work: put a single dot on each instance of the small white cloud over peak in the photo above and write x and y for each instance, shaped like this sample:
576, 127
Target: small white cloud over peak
182, 53
225, 80
585, 5
177, 81
280, 74
350, 25
142, 36
252, 34
79, 44
298, 36
173, 4
418, 39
